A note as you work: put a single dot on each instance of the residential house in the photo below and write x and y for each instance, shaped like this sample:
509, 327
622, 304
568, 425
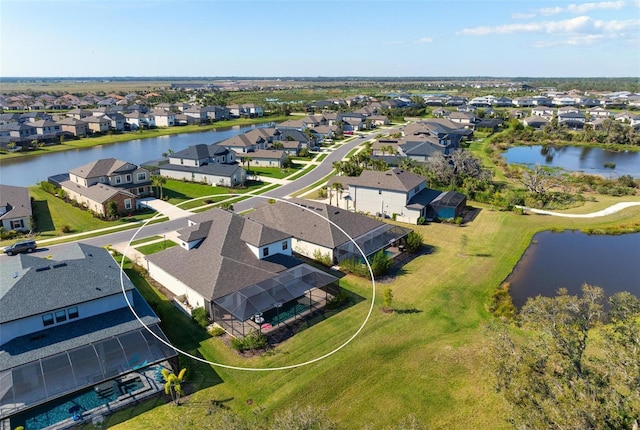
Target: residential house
399, 194
78, 113
97, 124
352, 121
216, 113
291, 147
46, 128
378, 120
332, 236
117, 120
69, 324
523, 102
77, 127
564, 101
575, 120
250, 141
502, 102
211, 164
198, 114
542, 111
94, 184
250, 271
138, 119
599, 112
15, 208
267, 158
32, 117
536, 121
164, 118
542, 101
468, 119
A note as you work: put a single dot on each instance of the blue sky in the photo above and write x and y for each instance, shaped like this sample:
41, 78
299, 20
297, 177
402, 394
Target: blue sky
319, 38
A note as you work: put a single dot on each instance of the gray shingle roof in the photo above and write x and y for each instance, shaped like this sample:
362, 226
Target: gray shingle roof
201, 151
223, 263
103, 167
42, 285
301, 221
98, 192
17, 198
392, 180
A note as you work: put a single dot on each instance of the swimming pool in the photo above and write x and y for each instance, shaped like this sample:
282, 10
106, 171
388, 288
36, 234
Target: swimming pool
75, 404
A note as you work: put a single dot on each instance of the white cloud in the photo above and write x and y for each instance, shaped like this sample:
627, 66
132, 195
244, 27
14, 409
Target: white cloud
585, 40
579, 24
424, 40
520, 15
584, 7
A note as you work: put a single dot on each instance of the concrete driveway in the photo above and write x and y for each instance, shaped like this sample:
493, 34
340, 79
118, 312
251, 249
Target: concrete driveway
165, 208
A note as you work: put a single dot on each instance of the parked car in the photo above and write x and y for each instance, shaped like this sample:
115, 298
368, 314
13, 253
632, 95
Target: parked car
21, 246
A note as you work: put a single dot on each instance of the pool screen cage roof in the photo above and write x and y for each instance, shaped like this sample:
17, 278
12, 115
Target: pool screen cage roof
274, 292
372, 242
47, 378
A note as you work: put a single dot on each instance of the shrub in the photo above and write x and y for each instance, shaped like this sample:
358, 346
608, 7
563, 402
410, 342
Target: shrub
66, 229
421, 220
381, 264
199, 315
217, 331
414, 242
251, 342
500, 304
353, 265
387, 297
322, 258
338, 301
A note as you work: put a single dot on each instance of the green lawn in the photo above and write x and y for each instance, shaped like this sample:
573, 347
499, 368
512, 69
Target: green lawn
275, 172
180, 191
427, 362
145, 239
152, 248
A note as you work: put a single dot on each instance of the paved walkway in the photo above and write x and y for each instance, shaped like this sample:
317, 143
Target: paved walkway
167, 209
608, 211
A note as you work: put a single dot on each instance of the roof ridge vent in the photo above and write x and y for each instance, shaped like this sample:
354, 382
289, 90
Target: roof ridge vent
43, 268
57, 265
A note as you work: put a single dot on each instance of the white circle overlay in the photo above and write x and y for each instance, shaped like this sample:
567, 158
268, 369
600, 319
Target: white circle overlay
253, 369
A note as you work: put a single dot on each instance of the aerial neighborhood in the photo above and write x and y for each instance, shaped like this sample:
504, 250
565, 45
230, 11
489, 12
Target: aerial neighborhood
237, 259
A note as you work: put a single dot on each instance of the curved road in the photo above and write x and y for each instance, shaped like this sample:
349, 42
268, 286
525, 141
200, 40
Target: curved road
320, 171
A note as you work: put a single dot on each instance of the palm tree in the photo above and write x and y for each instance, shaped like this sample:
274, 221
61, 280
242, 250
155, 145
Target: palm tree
337, 186
248, 160
158, 181
173, 384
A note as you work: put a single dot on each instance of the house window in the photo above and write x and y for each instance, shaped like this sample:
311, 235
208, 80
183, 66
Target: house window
72, 312
47, 319
265, 252
128, 178
118, 180
140, 190
15, 224
127, 203
102, 180
61, 316
142, 176
285, 245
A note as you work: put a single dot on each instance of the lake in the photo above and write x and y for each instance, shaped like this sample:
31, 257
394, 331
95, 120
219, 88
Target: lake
29, 171
589, 160
571, 258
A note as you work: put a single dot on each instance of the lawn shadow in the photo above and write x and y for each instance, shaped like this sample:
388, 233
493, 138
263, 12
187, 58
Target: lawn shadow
470, 214
42, 216
408, 311
174, 195
482, 254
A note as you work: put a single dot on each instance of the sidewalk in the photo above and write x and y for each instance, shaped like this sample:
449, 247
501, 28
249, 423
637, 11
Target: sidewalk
608, 211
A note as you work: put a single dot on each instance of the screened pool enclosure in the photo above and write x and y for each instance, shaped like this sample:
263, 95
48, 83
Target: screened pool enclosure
375, 240
242, 311
44, 379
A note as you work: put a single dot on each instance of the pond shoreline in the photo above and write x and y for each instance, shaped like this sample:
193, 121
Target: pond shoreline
92, 142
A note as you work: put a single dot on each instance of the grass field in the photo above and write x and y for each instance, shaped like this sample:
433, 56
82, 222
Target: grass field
152, 248
426, 360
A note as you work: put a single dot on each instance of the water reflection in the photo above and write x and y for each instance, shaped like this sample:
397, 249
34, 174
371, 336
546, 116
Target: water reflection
570, 259
590, 160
